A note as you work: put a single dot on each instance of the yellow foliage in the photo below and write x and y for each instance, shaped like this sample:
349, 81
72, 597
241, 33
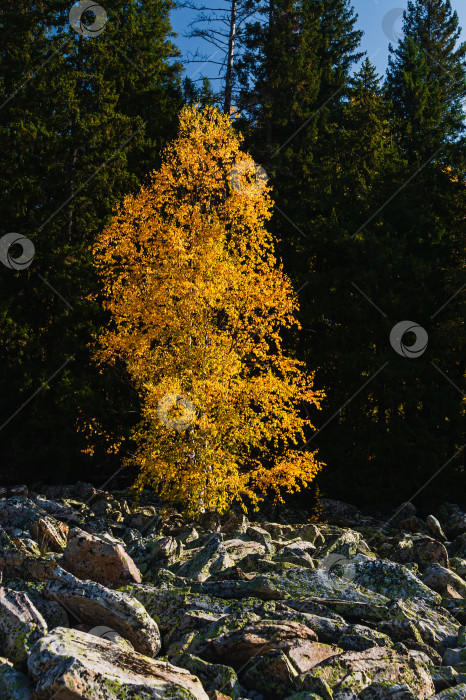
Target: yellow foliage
197, 302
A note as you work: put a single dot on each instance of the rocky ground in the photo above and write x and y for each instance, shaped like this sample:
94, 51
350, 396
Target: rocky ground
104, 599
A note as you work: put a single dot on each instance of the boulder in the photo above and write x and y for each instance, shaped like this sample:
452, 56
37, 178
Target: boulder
414, 618
53, 613
28, 567
405, 511
338, 511
281, 531
260, 586
21, 625
235, 522
293, 581
445, 582
50, 534
259, 534
19, 512
8, 492
387, 691
345, 544
210, 559
75, 664
94, 604
357, 670
272, 674
239, 549
453, 520
435, 528
392, 580
458, 566
212, 676
458, 693
99, 559
239, 646
13, 684
60, 511
453, 657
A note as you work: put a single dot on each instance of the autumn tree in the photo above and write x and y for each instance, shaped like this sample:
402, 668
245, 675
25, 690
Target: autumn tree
198, 301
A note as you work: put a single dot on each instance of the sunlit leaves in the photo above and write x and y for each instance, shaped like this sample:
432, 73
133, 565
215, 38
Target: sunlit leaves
198, 301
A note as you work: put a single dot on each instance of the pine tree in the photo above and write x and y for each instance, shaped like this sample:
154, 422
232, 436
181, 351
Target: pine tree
409, 421
203, 95
84, 130
426, 79
405, 257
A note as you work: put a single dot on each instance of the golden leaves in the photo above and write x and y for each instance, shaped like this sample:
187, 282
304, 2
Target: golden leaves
198, 303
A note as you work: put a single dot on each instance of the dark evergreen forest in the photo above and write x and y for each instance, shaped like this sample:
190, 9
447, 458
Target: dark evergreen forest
369, 184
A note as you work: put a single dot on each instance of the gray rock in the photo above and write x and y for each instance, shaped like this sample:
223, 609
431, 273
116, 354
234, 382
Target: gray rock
458, 566
445, 582
53, 613
453, 519
259, 534
212, 676
211, 559
435, 527
458, 693
338, 511
19, 512
240, 645
238, 549
345, 544
452, 657
443, 677
235, 522
382, 691
21, 625
13, 684
318, 583
415, 618
84, 666
392, 580
94, 604
306, 695
271, 673
405, 511
357, 670
282, 531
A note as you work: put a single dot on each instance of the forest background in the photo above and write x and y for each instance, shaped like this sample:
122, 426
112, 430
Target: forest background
368, 180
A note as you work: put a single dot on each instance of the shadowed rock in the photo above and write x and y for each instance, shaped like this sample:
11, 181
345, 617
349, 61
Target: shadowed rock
13, 684
21, 625
445, 582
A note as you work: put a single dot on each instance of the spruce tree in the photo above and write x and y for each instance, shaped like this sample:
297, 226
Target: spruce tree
406, 257
83, 131
426, 79
412, 417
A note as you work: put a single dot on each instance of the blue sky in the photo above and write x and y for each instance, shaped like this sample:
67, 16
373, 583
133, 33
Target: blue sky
377, 18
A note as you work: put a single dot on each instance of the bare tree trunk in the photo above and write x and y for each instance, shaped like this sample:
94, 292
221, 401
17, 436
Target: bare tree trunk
70, 185
73, 156
268, 127
231, 53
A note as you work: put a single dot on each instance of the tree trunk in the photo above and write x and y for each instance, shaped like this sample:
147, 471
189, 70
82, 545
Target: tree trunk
231, 53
